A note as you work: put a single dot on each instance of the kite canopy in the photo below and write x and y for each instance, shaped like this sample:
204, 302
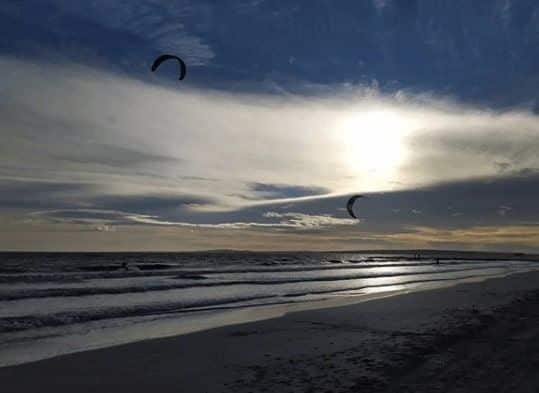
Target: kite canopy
350, 204
163, 58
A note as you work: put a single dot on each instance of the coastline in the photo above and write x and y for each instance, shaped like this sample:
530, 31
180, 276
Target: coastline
339, 347
84, 340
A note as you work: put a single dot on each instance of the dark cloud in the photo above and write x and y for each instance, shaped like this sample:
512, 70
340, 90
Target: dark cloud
113, 156
41, 195
450, 205
481, 213
487, 201
83, 217
88, 201
170, 205
279, 191
457, 204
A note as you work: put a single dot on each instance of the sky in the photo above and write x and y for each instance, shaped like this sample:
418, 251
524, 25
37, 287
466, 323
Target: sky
430, 108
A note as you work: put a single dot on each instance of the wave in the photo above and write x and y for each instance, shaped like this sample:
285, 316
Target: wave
198, 281
102, 271
20, 323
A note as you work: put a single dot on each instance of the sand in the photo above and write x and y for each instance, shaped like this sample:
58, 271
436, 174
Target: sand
473, 337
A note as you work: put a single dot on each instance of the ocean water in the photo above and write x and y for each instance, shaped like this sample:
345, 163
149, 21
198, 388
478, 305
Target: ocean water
58, 303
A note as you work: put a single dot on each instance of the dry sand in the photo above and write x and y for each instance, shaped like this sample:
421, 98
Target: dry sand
468, 338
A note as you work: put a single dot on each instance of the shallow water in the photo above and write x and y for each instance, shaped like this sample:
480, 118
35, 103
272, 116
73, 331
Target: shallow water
52, 304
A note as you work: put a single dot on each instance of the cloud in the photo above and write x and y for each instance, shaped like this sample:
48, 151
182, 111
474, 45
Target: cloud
283, 191
470, 237
154, 21
148, 203
113, 156
470, 145
228, 44
28, 194
107, 218
93, 148
76, 124
301, 220
123, 31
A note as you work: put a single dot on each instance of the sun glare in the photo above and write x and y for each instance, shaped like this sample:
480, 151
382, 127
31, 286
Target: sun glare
375, 147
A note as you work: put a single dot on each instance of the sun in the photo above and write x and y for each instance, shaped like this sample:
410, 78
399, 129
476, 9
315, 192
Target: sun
375, 145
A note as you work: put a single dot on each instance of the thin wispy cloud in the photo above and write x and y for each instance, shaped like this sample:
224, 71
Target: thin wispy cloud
106, 220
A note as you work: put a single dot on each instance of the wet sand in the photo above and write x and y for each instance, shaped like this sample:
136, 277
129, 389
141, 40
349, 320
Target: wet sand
469, 338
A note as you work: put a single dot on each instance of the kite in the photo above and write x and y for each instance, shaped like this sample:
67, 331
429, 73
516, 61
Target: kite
163, 58
350, 204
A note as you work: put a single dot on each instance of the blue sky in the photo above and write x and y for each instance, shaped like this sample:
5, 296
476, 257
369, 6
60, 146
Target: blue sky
288, 107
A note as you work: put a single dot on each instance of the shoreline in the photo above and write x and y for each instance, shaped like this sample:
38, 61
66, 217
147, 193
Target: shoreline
321, 348
214, 319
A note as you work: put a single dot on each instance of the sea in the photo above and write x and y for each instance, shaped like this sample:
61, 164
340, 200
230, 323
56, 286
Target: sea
53, 304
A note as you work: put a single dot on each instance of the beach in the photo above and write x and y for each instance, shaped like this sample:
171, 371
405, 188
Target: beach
56, 304
480, 336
